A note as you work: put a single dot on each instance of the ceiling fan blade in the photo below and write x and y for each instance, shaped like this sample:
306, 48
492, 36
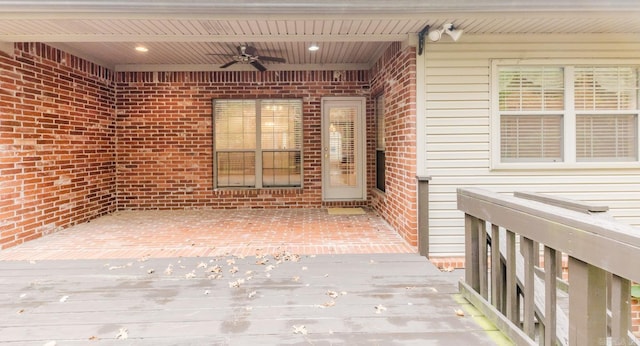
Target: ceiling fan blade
258, 66
272, 58
229, 64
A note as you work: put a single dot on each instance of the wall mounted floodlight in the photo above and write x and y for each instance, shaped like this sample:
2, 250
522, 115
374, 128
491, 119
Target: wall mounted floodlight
448, 29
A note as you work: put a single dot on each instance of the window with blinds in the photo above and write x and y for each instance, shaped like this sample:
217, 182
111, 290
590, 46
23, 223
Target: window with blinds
380, 144
535, 104
606, 113
531, 106
258, 143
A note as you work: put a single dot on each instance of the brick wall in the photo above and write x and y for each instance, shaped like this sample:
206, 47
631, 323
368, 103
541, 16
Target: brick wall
164, 135
56, 142
394, 75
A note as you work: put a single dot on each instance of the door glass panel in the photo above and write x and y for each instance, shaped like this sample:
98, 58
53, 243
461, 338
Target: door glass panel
342, 149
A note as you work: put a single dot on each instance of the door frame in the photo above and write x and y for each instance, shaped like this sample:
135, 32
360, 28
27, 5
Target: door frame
360, 143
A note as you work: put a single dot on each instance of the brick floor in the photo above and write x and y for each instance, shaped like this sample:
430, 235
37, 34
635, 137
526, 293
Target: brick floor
190, 233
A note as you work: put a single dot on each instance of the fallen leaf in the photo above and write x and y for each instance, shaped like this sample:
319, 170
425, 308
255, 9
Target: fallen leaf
93, 338
296, 278
202, 265
20, 311
459, 312
215, 269
215, 277
151, 271
269, 268
206, 292
236, 284
191, 275
332, 294
252, 294
344, 293
448, 269
169, 270
64, 299
380, 309
233, 270
262, 261
231, 261
248, 272
300, 329
329, 303
123, 334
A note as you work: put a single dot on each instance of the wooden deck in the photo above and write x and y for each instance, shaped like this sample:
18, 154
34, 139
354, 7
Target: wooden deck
381, 299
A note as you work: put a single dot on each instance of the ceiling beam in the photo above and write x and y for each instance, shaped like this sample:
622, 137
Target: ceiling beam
239, 67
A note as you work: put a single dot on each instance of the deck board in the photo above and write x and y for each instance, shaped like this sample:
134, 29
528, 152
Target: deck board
416, 302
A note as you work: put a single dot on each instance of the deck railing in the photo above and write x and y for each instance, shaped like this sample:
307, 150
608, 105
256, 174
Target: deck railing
520, 291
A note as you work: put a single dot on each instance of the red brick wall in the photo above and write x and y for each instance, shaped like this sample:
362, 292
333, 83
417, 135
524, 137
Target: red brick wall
164, 135
57, 151
394, 75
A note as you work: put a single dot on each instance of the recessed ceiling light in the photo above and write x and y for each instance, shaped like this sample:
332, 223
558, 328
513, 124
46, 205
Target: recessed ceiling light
142, 49
313, 47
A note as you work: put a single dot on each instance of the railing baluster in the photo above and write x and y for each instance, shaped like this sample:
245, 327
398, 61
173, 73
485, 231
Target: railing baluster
496, 269
472, 268
620, 310
528, 289
513, 313
482, 260
550, 294
587, 304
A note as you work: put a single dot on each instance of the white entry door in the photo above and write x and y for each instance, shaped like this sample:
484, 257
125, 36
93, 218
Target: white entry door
343, 149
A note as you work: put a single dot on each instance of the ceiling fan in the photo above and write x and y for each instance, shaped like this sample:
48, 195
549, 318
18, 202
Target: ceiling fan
249, 55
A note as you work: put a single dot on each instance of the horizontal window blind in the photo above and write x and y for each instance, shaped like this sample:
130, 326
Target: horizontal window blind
531, 102
611, 136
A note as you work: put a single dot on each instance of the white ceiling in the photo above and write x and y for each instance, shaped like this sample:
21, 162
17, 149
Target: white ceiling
351, 34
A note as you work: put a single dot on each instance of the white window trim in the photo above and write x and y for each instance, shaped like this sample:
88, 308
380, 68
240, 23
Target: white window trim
569, 134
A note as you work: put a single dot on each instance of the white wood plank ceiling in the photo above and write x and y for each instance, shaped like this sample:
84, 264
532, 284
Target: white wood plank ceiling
181, 35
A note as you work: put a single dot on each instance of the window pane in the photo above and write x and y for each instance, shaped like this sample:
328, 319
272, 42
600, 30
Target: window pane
606, 138
235, 124
281, 169
605, 88
531, 138
531, 88
236, 169
281, 124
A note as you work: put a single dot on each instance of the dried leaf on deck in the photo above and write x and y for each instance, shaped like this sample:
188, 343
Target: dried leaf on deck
380, 309
252, 294
64, 299
169, 270
233, 270
262, 261
151, 271
295, 279
448, 269
236, 284
215, 269
206, 292
332, 294
202, 265
123, 334
93, 338
329, 304
300, 329
459, 312
20, 311
191, 275
231, 262
269, 268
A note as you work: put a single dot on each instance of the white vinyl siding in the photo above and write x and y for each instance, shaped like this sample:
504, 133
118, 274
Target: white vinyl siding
459, 127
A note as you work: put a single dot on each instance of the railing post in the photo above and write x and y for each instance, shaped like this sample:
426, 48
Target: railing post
472, 258
587, 304
423, 215
620, 310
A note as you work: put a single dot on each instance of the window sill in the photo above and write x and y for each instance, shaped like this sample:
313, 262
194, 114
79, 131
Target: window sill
550, 166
